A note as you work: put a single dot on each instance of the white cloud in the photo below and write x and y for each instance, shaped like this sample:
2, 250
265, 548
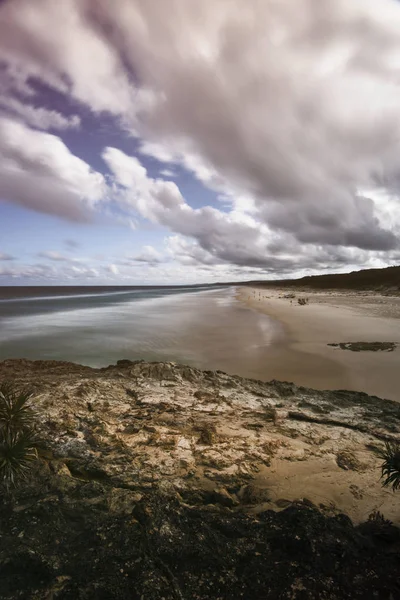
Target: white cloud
289, 110
271, 98
37, 272
176, 152
83, 272
217, 237
56, 256
167, 173
56, 42
5, 256
38, 171
36, 116
148, 255
188, 252
113, 269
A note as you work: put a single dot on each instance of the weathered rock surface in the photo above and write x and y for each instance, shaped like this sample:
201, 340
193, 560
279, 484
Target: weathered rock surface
157, 480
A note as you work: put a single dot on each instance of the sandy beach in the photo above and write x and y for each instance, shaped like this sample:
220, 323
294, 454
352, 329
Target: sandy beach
303, 356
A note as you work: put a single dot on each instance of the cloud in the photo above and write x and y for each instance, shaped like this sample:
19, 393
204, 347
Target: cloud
113, 269
167, 173
289, 111
5, 256
188, 252
39, 117
57, 43
61, 270
81, 272
226, 236
178, 152
38, 171
272, 99
217, 238
71, 243
56, 256
148, 255
36, 272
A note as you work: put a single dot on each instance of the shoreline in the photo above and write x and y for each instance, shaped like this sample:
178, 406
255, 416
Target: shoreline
303, 355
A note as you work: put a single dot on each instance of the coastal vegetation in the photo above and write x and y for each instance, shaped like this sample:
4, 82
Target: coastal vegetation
382, 280
391, 465
18, 441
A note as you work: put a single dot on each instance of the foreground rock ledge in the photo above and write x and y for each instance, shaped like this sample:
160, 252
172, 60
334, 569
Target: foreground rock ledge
157, 480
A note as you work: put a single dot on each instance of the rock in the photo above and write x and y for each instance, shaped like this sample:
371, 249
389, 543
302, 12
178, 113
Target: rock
283, 503
251, 494
60, 468
124, 362
367, 346
123, 501
223, 497
207, 432
132, 393
155, 547
308, 502
270, 414
132, 428
86, 470
152, 497
284, 388
347, 460
254, 426
207, 396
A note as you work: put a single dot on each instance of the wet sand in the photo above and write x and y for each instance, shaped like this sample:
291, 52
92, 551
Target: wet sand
303, 355
213, 329
209, 329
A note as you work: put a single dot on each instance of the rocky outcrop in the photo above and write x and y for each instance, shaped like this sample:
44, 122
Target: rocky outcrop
157, 480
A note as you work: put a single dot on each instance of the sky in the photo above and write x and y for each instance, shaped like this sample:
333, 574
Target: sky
178, 141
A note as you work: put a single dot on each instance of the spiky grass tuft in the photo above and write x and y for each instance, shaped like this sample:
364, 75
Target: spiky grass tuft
17, 452
391, 465
17, 437
16, 413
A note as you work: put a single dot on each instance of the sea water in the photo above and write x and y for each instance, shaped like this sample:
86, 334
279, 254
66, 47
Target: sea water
202, 327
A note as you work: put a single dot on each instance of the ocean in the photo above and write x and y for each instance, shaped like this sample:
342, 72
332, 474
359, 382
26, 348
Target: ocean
205, 327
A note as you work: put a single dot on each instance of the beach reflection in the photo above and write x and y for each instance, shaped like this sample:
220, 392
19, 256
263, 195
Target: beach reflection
206, 329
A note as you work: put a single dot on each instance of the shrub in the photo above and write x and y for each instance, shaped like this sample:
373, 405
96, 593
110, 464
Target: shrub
391, 465
15, 412
17, 452
18, 441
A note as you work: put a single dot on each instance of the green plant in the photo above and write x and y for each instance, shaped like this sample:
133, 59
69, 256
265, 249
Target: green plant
18, 440
391, 465
17, 452
15, 412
